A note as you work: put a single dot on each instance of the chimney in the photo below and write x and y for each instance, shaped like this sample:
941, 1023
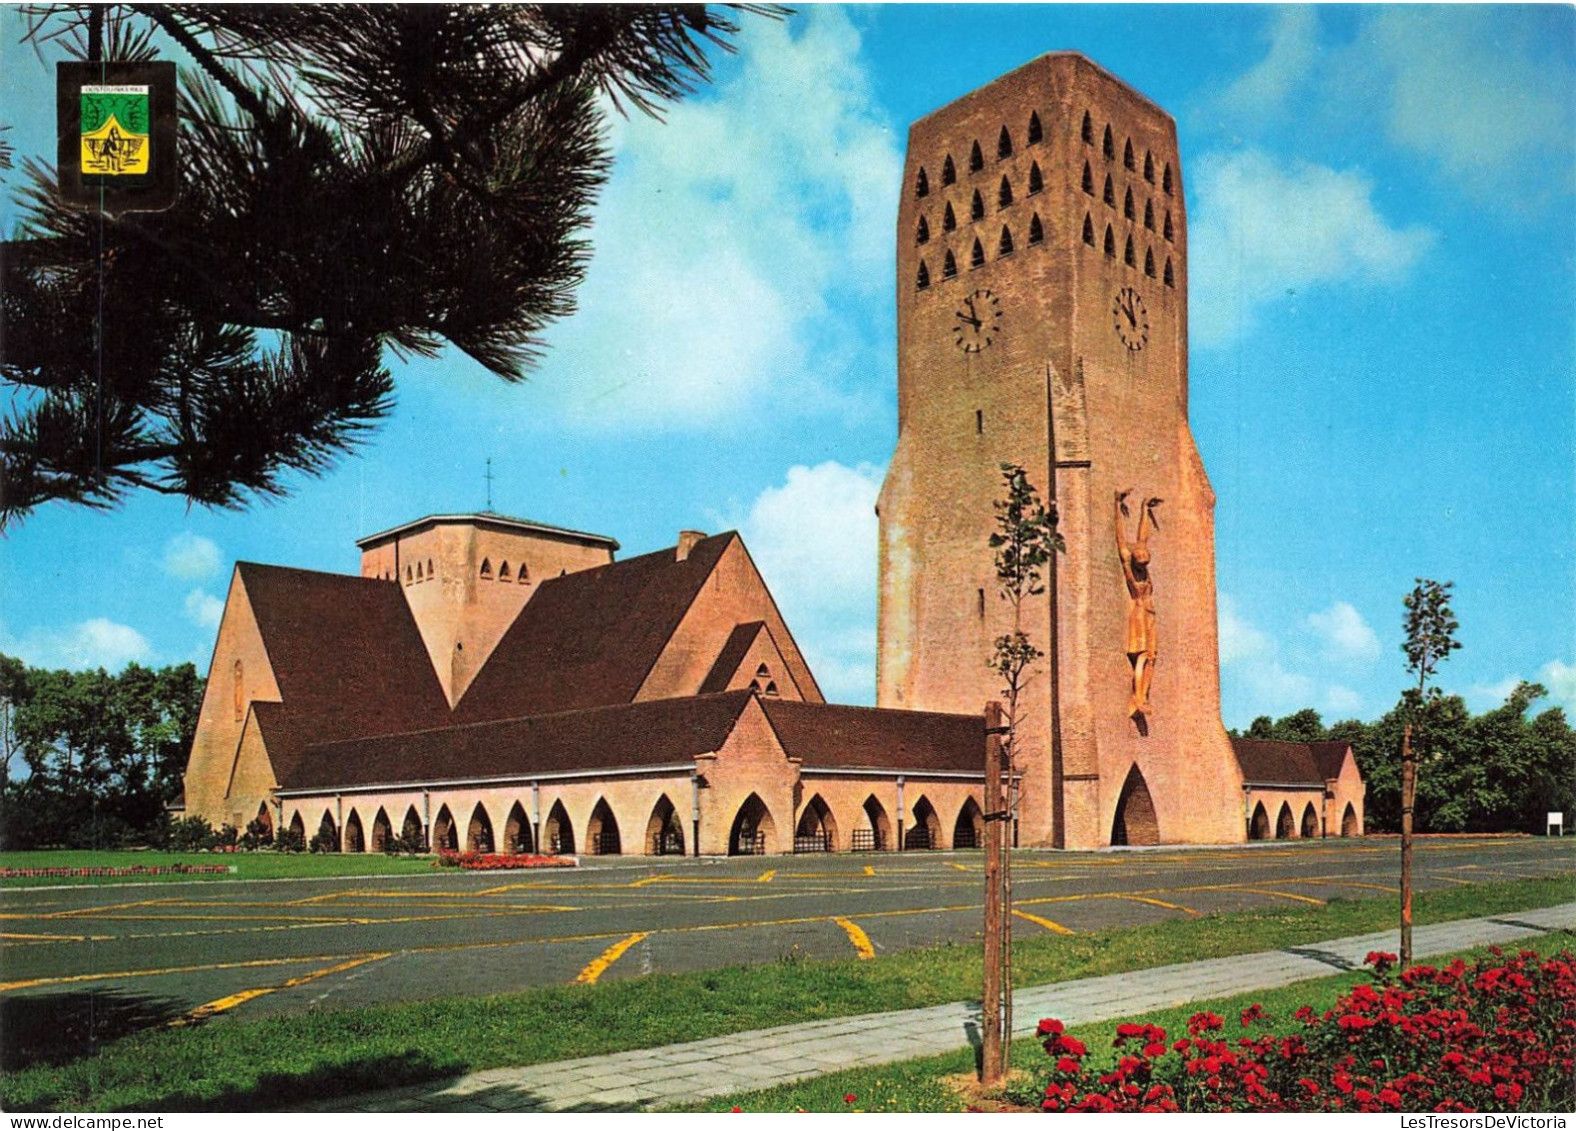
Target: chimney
687, 541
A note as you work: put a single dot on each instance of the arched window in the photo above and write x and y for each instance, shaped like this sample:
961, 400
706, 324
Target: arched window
949, 267
410, 828
922, 234
968, 831
1036, 230
1109, 195
977, 207
602, 837
355, 841
664, 831
1087, 131
382, 831
327, 835
1285, 823
976, 159
923, 280
1108, 146
977, 256
1168, 233
487, 568
479, 834
1004, 194
1149, 262
1310, 822
1110, 243
1127, 205
1004, 145
1036, 179
1005, 247
1149, 167
817, 828
1149, 215
922, 183
1259, 824
1088, 179
1127, 155
1035, 133
1127, 254
949, 171
876, 833
517, 836
949, 220
558, 836
926, 830
1088, 231
1349, 825
445, 838
1165, 180
1170, 279
753, 832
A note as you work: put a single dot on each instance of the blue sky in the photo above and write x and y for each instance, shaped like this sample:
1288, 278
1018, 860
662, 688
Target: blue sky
1383, 327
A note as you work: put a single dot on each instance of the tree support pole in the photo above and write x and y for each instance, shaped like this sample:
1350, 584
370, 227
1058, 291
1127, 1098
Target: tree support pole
990, 997
1408, 798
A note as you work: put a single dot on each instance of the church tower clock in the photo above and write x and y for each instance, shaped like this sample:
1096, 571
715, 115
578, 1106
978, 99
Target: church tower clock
1042, 322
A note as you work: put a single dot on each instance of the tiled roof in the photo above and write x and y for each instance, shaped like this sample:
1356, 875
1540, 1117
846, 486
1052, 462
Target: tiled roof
1312, 763
825, 736
656, 733
346, 655
589, 639
732, 654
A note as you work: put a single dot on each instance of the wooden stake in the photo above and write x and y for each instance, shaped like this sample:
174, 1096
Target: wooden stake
990, 997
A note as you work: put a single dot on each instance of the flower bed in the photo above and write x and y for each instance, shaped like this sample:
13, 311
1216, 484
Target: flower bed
1497, 1036
134, 870
497, 861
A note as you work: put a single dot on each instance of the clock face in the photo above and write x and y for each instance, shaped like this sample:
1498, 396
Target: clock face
1131, 318
978, 321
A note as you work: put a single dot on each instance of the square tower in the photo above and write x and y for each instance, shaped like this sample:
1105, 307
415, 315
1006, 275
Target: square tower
1042, 321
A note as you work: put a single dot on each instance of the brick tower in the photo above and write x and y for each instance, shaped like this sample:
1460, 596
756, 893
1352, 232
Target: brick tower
1042, 321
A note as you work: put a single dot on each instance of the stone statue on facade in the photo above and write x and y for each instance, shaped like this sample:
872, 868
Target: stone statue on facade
1141, 638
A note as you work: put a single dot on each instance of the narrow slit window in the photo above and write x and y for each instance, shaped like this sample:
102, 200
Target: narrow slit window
1035, 133
1088, 232
923, 234
1149, 215
1004, 145
1127, 205
1168, 232
1036, 229
923, 280
1149, 262
977, 256
1127, 254
1036, 179
922, 183
1005, 247
1088, 179
486, 568
977, 207
979, 422
949, 219
1108, 146
1088, 129
1170, 279
949, 171
1004, 194
1127, 156
1109, 195
504, 573
1149, 167
949, 267
976, 159
981, 603
1165, 180
430, 571
525, 574
1110, 243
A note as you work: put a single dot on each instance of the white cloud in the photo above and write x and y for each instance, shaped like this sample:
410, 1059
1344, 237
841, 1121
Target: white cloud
814, 539
1293, 51
1266, 228
735, 242
204, 609
1239, 640
1344, 633
1560, 678
191, 557
95, 643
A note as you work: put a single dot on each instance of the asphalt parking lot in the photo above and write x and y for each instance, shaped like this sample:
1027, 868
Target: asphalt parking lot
257, 947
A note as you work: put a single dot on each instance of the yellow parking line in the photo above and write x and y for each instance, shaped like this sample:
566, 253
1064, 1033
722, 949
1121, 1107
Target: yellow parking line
1281, 894
205, 1011
959, 867
858, 937
1046, 923
57, 938
29, 983
609, 956
1160, 903
766, 877
869, 871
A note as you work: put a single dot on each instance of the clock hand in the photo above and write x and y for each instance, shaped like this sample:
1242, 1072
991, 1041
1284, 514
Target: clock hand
975, 322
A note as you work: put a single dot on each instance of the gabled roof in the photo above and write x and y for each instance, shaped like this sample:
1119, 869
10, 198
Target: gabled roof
825, 736
1262, 760
346, 656
661, 732
589, 639
732, 655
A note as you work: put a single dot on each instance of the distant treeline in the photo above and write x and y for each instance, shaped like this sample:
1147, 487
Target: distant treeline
1501, 771
91, 760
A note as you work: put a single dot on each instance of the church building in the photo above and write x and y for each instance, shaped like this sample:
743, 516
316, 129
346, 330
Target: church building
489, 683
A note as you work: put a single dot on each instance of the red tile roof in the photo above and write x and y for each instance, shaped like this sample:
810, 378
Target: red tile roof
1310, 763
589, 639
826, 736
660, 732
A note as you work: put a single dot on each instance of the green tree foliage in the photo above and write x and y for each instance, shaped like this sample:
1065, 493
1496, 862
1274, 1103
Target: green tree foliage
355, 179
101, 755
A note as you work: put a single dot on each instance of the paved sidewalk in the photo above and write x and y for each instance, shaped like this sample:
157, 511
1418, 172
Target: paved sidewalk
697, 1070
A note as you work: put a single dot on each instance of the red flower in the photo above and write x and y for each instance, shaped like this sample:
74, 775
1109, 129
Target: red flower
849, 1098
1050, 1026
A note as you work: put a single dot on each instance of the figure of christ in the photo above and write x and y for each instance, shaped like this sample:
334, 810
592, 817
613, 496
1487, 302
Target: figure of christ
1142, 638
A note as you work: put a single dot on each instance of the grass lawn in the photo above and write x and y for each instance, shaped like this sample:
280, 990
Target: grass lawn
248, 866
233, 1063
940, 1083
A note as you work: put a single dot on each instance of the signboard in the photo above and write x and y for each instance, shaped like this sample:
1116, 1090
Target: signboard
117, 135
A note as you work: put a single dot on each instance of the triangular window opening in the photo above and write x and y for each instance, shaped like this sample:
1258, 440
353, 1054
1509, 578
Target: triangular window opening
1149, 262
1165, 180
1035, 132
1127, 205
763, 672
1168, 233
525, 573
1149, 215
1110, 243
922, 183
755, 686
1088, 129
1149, 167
1005, 247
1004, 194
1088, 232
1127, 255
1088, 179
1036, 179
1170, 279
923, 234
1036, 229
1004, 145
949, 268
1127, 155
430, 571
949, 171
977, 257
923, 280
771, 689
1108, 146
1109, 195
949, 220
504, 574
419, 575
486, 568
977, 208
976, 159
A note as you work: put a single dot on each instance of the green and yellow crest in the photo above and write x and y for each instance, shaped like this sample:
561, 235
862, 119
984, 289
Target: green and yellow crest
115, 130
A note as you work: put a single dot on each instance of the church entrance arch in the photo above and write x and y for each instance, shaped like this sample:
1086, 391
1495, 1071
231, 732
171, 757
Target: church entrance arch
664, 832
479, 835
265, 823
817, 830
1259, 827
1310, 822
517, 831
602, 831
1349, 822
557, 833
298, 831
355, 841
753, 831
382, 831
969, 830
445, 838
327, 838
926, 831
410, 830
1285, 824
1135, 821
876, 834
